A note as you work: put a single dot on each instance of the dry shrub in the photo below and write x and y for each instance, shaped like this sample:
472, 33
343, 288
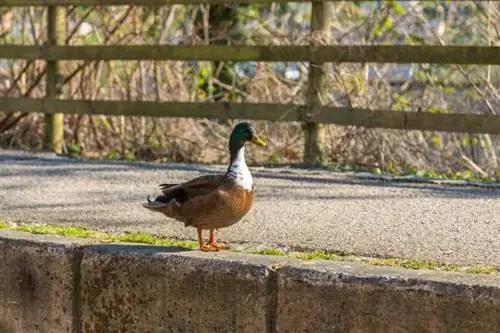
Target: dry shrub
449, 88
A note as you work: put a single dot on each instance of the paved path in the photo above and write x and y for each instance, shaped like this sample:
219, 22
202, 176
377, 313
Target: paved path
294, 208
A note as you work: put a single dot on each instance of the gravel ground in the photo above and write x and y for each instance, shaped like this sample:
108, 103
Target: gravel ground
294, 208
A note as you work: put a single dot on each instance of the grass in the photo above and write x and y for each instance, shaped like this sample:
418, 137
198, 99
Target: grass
145, 238
3, 223
481, 269
268, 252
81, 232
58, 230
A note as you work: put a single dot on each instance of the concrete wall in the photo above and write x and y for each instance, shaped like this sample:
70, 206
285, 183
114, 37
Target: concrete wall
50, 284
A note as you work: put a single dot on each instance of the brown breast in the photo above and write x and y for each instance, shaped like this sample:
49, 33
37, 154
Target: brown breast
226, 210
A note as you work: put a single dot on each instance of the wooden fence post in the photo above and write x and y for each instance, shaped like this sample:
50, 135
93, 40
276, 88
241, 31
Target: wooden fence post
321, 18
54, 123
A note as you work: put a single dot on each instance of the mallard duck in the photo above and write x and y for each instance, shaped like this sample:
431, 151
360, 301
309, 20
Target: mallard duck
213, 201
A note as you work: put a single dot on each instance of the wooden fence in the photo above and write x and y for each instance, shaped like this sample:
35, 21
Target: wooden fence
313, 114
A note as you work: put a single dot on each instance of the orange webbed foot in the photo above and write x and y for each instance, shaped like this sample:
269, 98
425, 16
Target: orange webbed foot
223, 246
208, 248
213, 243
205, 247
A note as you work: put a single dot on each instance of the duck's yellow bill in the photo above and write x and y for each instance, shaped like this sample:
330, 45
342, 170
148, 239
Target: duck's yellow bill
258, 141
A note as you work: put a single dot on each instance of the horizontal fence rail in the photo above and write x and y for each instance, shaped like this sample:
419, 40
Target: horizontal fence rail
446, 122
23, 3
481, 55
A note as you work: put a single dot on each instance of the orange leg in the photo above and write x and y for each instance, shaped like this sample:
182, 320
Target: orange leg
213, 243
204, 247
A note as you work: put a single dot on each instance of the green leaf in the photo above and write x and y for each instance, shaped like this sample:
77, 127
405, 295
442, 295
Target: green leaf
421, 75
391, 166
388, 23
253, 12
467, 174
91, 39
436, 109
274, 158
400, 102
412, 38
74, 149
113, 155
436, 140
420, 173
205, 71
403, 100
448, 90
397, 8
377, 30
130, 157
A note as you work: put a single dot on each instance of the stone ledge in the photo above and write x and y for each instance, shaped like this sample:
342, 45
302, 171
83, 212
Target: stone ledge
56, 284
154, 289
358, 298
36, 283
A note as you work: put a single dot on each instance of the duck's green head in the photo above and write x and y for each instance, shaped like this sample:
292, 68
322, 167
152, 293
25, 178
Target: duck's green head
243, 133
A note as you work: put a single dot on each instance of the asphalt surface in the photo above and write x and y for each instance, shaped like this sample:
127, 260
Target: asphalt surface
294, 208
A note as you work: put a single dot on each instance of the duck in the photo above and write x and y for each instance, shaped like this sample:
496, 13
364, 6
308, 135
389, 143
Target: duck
211, 202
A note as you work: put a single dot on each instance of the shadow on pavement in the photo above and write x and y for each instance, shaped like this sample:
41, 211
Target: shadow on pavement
69, 167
